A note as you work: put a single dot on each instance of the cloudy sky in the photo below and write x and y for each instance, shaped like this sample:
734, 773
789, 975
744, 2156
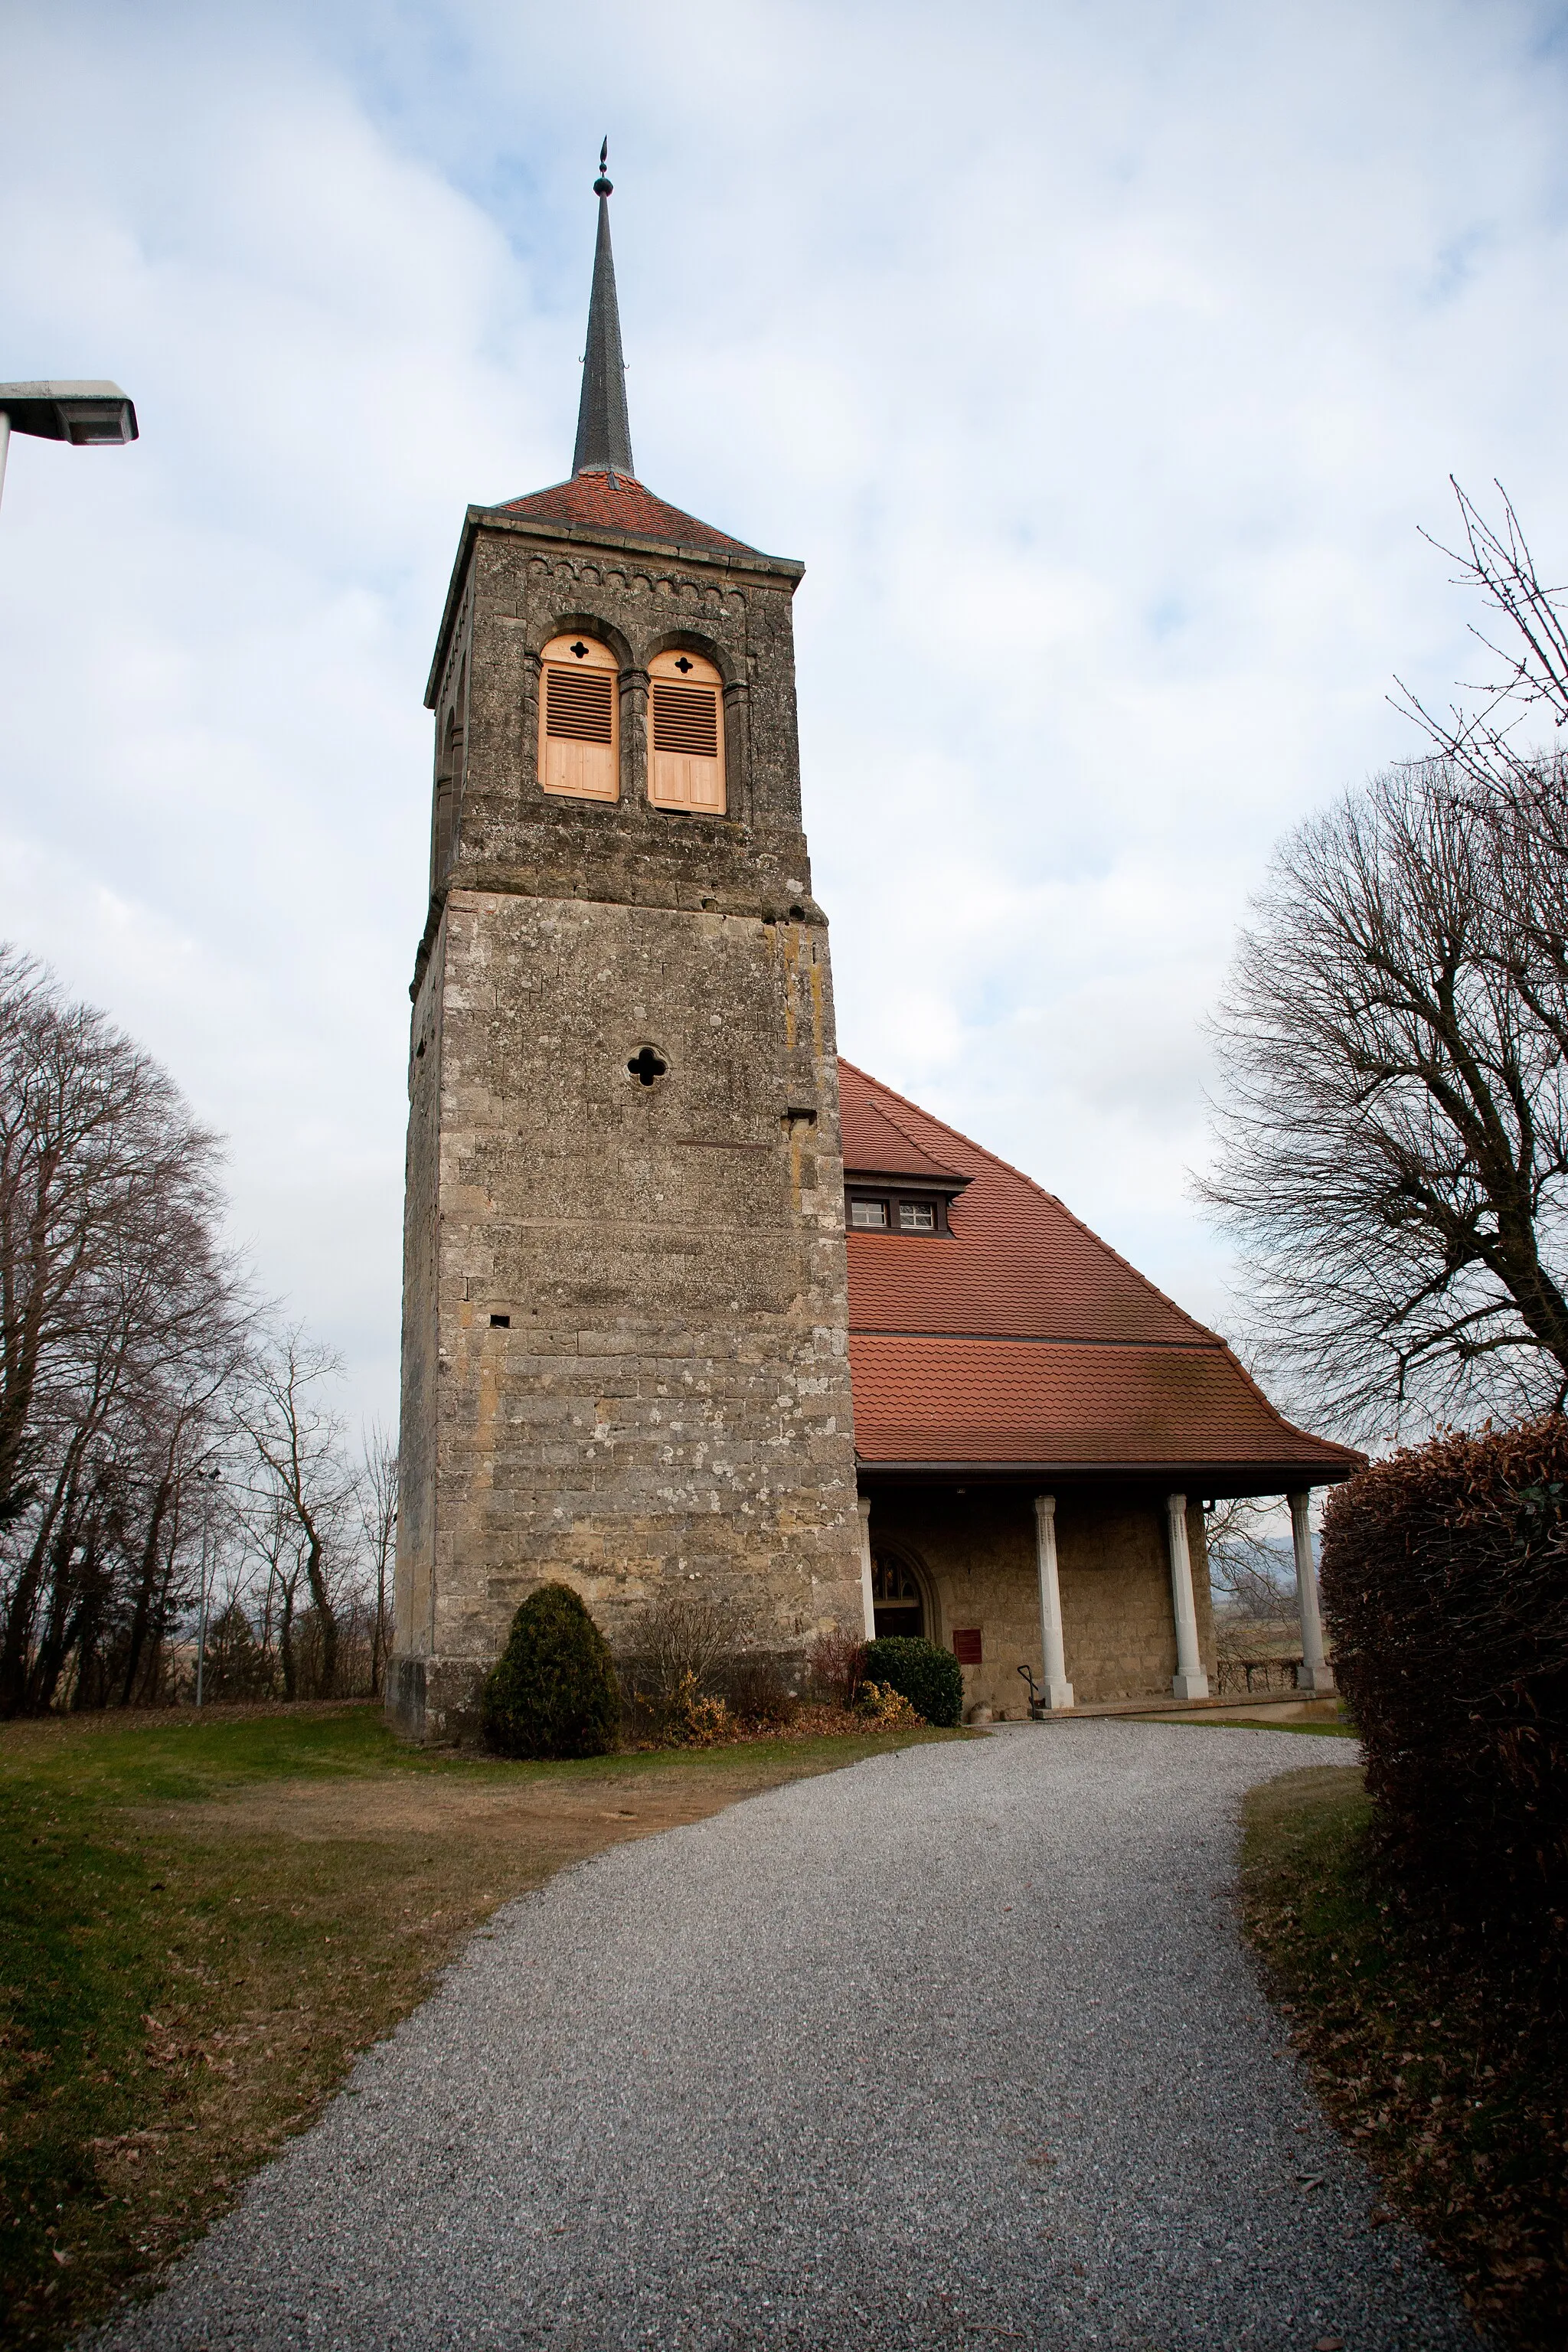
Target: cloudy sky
1101, 362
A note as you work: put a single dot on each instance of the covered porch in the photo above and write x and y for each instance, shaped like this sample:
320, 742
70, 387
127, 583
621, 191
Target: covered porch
1036, 1431
1097, 1585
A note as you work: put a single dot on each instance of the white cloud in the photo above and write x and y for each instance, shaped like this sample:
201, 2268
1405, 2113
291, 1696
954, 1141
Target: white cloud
1100, 362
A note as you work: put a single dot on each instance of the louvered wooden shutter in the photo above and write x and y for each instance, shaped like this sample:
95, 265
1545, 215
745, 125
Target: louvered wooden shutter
686, 735
579, 705
578, 730
685, 720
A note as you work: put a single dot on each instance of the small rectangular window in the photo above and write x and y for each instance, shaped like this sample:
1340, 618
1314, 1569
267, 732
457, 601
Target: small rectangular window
916, 1217
870, 1215
500, 1322
966, 1645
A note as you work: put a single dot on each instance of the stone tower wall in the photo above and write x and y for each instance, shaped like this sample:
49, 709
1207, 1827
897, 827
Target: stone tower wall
668, 1395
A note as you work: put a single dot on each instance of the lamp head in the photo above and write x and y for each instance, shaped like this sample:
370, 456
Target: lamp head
93, 415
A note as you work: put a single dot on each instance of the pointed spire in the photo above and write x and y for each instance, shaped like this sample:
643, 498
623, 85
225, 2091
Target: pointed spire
604, 435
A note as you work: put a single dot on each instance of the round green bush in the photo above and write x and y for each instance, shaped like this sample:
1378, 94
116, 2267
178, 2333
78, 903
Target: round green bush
929, 1677
552, 1691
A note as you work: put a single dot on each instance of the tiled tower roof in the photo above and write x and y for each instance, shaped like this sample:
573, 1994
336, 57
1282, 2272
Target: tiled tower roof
1020, 1337
606, 501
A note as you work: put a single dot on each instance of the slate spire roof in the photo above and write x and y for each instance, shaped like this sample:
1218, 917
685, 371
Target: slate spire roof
602, 494
603, 429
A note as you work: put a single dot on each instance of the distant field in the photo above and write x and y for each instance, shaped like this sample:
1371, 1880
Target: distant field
203, 1920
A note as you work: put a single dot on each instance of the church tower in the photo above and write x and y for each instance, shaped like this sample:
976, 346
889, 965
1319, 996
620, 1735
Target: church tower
625, 1317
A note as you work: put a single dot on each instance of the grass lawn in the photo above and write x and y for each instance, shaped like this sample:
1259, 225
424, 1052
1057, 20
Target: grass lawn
203, 1920
1454, 2085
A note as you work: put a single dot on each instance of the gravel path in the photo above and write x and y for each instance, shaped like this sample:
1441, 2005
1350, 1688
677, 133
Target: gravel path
956, 2047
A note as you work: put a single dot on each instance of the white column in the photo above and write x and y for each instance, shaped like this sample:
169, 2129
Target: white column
1058, 1690
1317, 1675
1189, 1680
868, 1600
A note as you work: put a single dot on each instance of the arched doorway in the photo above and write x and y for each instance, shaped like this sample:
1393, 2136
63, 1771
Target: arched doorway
896, 1596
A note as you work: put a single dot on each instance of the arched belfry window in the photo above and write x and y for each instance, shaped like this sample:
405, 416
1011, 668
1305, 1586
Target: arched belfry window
685, 734
579, 719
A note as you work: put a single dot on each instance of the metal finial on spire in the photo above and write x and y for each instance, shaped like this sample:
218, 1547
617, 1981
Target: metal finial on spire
604, 433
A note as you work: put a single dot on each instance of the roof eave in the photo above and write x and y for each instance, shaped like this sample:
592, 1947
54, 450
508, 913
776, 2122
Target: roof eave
747, 562
1200, 1477
930, 1180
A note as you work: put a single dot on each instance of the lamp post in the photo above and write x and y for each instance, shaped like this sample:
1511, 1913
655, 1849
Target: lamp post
90, 415
209, 1479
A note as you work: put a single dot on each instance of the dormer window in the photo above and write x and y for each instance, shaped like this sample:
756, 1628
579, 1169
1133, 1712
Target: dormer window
889, 1211
579, 719
685, 734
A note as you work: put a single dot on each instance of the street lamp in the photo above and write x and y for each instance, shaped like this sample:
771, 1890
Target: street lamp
93, 415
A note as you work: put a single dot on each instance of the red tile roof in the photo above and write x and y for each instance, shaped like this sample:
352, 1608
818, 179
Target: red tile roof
1021, 1337
875, 1145
617, 503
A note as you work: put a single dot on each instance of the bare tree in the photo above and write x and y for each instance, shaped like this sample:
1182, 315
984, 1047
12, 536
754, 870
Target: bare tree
1392, 1119
297, 1443
1252, 1578
272, 1546
1393, 1043
1521, 791
375, 1489
121, 1316
1531, 673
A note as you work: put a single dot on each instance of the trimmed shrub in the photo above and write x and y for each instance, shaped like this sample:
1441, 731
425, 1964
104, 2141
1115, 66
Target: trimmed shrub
931, 1678
552, 1691
1444, 1583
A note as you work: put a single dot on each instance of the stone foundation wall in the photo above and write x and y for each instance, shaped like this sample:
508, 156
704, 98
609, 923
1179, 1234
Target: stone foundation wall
976, 1554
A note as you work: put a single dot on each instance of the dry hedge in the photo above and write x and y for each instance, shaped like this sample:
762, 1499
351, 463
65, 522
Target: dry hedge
1444, 1581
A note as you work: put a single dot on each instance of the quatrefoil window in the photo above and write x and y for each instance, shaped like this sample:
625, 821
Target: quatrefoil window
646, 1067
683, 664
580, 649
